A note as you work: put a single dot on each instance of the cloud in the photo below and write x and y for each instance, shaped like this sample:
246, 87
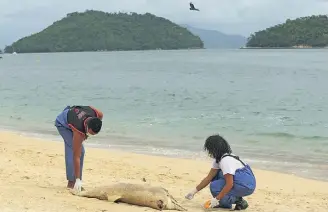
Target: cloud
21, 18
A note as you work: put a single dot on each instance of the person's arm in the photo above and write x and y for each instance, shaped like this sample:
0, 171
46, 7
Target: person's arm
100, 114
212, 173
228, 170
202, 184
77, 148
228, 186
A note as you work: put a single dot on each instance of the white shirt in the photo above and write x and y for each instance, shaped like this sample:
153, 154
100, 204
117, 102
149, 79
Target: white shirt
228, 165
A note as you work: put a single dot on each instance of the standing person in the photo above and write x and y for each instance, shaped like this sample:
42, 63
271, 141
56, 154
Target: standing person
75, 124
230, 178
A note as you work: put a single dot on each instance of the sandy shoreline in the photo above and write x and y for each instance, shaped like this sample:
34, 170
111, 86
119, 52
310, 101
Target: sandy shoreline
32, 175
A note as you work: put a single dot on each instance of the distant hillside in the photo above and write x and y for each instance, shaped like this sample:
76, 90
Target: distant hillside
96, 31
215, 40
304, 32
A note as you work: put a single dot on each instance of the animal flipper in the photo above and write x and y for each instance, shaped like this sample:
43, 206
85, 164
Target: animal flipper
177, 206
175, 203
114, 198
98, 194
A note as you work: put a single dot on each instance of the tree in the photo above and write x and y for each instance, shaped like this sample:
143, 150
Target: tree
309, 31
100, 31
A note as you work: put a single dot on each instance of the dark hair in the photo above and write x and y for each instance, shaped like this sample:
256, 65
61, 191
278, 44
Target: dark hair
216, 146
95, 124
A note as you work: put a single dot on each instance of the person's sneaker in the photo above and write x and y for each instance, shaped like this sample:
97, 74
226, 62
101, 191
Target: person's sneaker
241, 204
70, 185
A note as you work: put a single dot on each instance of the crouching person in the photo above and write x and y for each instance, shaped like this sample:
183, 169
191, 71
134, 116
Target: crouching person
230, 178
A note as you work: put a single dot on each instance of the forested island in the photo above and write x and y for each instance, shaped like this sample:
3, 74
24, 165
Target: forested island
99, 31
303, 32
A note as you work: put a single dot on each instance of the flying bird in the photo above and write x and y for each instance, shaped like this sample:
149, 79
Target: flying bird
192, 7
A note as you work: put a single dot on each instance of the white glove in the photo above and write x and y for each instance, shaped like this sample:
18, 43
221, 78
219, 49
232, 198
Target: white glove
214, 202
78, 185
191, 194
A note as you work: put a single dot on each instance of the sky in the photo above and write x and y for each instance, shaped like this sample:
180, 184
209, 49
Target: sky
20, 18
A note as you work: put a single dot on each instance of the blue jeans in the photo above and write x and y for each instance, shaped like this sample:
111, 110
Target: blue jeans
67, 135
244, 185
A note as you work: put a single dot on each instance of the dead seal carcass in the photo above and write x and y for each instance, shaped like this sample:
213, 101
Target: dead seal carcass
142, 195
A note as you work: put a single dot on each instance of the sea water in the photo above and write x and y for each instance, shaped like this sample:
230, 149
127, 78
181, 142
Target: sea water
271, 105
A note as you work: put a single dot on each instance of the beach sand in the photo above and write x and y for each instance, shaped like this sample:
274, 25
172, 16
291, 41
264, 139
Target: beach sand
32, 178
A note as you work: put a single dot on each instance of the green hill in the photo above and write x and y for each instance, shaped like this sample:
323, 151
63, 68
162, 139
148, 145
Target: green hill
97, 31
305, 32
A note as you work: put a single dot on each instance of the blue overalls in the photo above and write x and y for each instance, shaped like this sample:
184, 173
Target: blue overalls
244, 184
67, 134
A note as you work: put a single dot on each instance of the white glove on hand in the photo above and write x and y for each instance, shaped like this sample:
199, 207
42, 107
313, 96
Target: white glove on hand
78, 185
191, 194
214, 202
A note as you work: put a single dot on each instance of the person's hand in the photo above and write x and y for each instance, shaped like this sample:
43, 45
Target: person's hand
211, 203
191, 194
78, 185
214, 202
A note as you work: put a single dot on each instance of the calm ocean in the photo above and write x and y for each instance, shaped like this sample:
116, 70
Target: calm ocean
271, 105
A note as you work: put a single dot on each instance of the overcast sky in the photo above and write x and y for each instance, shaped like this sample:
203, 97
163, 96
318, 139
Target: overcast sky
20, 18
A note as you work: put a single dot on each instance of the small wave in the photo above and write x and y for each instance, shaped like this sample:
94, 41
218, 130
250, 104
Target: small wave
291, 136
286, 109
277, 134
315, 138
